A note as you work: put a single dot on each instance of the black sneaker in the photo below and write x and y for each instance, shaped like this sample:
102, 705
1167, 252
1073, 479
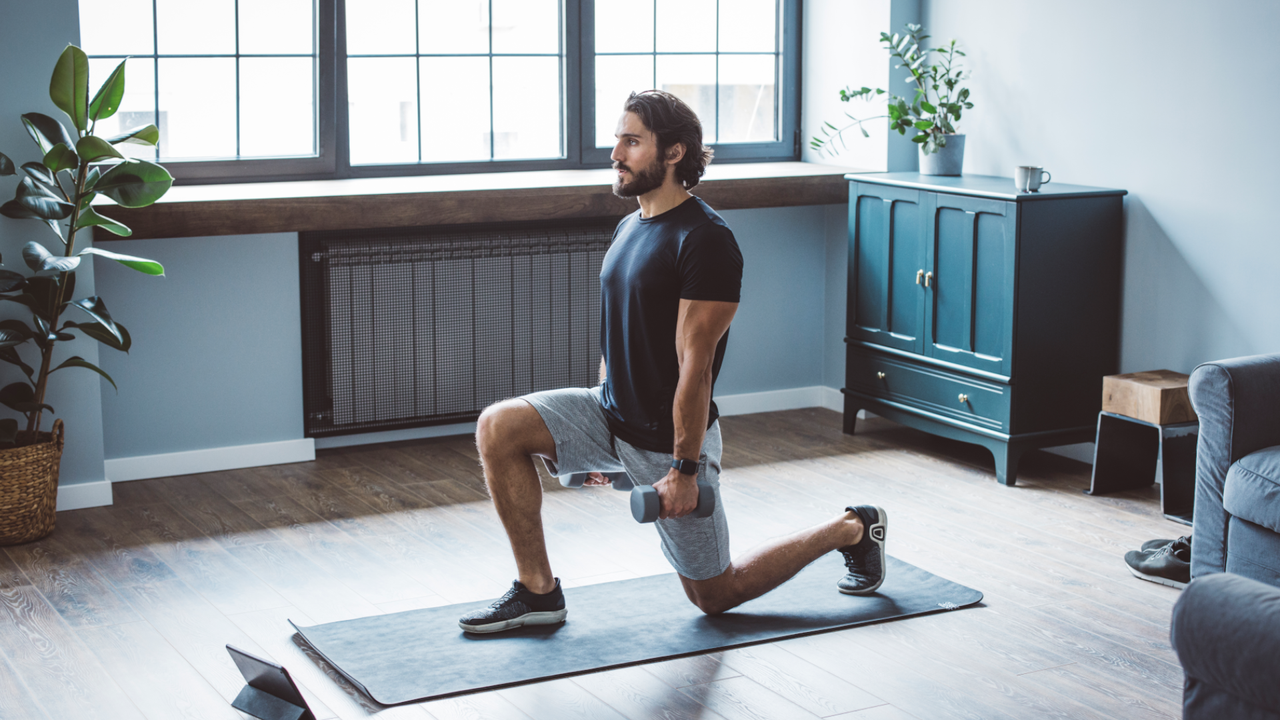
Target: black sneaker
1155, 544
865, 561
517, 608
1169, 565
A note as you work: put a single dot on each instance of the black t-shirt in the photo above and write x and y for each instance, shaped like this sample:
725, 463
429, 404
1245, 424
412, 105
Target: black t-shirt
686, 253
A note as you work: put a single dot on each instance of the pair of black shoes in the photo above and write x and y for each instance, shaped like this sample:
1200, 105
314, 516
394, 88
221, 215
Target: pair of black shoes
865, 562
1167, 562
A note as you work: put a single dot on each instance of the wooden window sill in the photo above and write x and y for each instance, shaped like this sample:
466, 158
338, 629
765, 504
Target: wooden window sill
371, 203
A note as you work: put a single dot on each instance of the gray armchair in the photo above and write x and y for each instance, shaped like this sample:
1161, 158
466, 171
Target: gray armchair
1237, 506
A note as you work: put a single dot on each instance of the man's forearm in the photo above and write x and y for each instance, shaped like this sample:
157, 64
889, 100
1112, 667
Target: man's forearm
690, 409
603, 372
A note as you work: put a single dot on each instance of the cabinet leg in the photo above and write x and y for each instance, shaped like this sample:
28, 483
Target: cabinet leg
850, 415
1007, 458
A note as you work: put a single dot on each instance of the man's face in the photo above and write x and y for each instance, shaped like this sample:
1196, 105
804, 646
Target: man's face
635, 157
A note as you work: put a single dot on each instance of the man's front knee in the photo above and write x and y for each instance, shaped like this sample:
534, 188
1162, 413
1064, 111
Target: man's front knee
510, 425
710, 599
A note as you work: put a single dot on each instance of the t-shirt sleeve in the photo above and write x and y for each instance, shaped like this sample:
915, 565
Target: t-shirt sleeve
710, 265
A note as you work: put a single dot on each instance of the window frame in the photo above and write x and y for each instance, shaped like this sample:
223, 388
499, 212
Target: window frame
333, 158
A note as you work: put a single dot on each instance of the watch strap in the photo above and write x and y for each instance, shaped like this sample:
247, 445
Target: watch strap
686, 467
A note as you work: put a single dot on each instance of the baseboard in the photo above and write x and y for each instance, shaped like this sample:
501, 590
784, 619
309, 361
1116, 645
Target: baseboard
84, 495
1082, 452
211, 460
772, 400
396, 435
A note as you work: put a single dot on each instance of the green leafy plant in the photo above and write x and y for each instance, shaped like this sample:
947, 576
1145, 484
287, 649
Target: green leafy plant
58, 190
932, 112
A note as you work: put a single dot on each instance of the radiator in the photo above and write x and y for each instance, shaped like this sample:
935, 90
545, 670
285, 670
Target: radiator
410, 328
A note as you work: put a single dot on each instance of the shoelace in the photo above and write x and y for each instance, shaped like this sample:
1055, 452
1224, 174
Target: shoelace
510, 594
1169, 549
850, 561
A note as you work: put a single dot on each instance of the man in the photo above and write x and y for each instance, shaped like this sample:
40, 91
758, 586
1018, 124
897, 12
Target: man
669, 290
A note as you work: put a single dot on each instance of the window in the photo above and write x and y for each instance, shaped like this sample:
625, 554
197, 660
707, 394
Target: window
312, 89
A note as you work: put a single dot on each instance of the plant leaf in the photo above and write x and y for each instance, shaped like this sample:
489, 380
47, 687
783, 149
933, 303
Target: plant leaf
6, 165
41, 174
96, 309
21, 396
61, 157
77, 361
145, 135
123, 343
40, 259
9, 282
9, 338
69, 87
89, 218
33, 201
929, 108
10, 355
135, 184
91, 148
142, 265
46, 132
107, 100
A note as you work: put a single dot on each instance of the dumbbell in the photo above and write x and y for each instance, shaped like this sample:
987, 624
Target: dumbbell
645, 504
619, 480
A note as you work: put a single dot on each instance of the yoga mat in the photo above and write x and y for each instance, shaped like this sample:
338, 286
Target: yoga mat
423, 654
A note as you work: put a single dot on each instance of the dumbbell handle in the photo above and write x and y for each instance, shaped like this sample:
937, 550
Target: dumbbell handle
646, 504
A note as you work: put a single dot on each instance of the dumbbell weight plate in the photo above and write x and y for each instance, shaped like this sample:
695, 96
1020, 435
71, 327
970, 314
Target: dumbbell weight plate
646, 505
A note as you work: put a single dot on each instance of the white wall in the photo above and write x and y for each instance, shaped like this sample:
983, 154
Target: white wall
1170, 100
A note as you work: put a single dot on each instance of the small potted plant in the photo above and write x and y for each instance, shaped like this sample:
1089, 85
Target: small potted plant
58, 190
932, 113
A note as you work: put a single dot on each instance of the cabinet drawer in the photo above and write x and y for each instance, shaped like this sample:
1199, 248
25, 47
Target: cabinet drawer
936, 391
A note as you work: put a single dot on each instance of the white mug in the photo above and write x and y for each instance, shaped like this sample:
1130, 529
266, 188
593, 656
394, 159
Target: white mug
1029, 178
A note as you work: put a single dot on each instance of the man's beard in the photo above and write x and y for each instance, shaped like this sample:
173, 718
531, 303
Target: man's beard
645, 180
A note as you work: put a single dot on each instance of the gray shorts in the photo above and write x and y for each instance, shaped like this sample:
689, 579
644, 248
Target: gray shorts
698, 548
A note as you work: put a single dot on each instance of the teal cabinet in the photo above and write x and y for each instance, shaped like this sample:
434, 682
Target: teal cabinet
979, 313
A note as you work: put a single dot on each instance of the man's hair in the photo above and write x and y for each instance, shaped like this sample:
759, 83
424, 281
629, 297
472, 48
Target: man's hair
672, 121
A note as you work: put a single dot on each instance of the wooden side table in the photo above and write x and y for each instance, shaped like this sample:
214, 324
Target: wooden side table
1147, 432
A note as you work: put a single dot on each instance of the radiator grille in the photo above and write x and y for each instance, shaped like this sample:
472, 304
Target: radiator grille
421, 327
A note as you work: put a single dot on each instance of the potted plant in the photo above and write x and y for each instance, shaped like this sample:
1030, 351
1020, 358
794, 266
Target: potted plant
58, 190
932, 113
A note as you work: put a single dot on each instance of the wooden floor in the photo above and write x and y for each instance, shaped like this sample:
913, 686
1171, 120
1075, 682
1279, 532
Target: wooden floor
124, 611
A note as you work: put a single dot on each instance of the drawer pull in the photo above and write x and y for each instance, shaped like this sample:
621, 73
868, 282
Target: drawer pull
919, 275
964, 398
880, 376
928, 277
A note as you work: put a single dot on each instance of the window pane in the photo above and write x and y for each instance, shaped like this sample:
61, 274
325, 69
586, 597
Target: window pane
137, 107
455, 109
687, 25
692, 78
748, 26
747, 110
624, 26
118, 27
277, 115
526, 107
526, 26
277, 27
453, 26
197, 107
617, 76
381, 27
207, 27
382, 97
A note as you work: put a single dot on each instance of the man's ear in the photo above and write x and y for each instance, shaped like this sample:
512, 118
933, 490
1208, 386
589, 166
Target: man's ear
675, 153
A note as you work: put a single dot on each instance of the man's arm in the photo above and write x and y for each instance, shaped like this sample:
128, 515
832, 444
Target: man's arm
699, 327
603, 374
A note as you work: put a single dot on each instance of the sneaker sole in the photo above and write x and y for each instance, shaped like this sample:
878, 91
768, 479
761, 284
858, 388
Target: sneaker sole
1156, 579
883, 526
554, 617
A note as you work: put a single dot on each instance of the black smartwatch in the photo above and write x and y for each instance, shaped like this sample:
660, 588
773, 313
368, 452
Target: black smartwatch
686, 467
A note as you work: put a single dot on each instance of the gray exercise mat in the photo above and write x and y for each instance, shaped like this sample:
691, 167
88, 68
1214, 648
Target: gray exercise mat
423, 655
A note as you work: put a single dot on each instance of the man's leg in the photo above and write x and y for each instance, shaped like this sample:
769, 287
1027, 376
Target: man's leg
508, 435
772, 563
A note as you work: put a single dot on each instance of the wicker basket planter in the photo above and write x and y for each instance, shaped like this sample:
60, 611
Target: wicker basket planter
29, 488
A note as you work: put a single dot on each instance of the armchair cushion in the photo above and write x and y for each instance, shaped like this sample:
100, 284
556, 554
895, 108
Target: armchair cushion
1252, 488
1238, 402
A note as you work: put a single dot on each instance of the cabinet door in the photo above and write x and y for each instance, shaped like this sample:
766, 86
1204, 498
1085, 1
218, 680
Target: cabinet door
886, 260
969, 314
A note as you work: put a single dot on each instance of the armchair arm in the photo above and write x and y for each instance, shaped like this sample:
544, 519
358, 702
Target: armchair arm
1238, 402
1226, 631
